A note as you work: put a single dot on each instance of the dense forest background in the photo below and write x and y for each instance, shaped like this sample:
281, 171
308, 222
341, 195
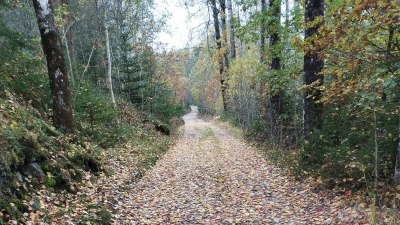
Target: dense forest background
315, 83
315, 80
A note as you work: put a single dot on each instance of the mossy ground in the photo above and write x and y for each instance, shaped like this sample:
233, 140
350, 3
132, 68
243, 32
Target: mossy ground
27, 136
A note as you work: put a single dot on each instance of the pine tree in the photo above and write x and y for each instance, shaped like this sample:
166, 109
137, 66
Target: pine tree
313, 66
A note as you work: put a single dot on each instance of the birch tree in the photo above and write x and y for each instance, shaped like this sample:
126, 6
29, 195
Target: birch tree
68, 37
109, 61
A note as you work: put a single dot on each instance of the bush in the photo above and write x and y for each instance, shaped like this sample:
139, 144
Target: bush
345, 148
92, 107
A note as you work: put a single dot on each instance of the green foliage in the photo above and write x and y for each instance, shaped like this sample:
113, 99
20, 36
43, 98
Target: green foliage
139, 71
166, 107
25, 137
49, 181
358, 42
348, 152
361, 80
13, 208
97, 117
88, 159
245, 78
203, 82
92, 106
111, 135
21, 72
104, 216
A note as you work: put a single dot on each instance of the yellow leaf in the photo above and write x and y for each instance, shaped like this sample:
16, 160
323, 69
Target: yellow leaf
32, 216
397, 196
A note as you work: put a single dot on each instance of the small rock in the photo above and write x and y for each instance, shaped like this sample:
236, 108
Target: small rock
19, 176
34, 170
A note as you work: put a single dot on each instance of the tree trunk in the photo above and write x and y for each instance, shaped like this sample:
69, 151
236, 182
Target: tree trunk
67, 49
241, 48
396, 177
231, 30
296, 4
61, 96
141, 80
397, 167
262, 31
109, 63
286, 35
68, 35
277, 94
219, 47
225, 38
287, 9
262, 49
313, 65
224, 32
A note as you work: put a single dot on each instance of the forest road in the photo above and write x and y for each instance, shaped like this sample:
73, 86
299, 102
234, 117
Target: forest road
212, 177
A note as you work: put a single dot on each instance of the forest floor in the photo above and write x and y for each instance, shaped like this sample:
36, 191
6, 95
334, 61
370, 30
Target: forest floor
213, 177
210, 176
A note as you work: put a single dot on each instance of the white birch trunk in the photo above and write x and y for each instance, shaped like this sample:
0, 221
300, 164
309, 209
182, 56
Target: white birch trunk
68, 55
109, 63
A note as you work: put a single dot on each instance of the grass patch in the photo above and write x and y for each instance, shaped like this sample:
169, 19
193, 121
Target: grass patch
150, 148
205, 133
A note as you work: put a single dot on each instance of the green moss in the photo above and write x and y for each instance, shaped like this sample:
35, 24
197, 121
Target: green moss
59, 177
12, 207
31, 149
50, 182
11, 149
45, 166
88, 160
104, 216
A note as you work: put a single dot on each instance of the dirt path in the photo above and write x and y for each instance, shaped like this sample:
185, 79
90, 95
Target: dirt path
211, 177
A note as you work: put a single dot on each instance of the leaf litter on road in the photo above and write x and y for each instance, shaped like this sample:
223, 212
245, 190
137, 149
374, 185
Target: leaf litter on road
212, 177
208, 177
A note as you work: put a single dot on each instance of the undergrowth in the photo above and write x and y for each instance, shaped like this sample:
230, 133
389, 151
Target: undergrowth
351, 180
27, 138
